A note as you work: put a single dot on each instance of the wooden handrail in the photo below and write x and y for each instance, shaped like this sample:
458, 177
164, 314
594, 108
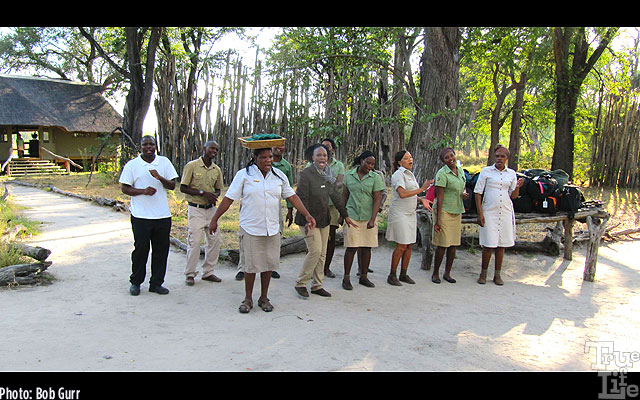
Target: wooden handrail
63, 158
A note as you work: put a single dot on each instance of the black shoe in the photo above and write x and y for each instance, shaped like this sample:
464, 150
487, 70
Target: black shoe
275, 275
159, 289
364, 281
346, 284
240, 276
329, 274
134, 290
302, 291
449, 279
321, 292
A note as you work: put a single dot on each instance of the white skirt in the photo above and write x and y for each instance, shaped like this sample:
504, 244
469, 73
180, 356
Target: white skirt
499, 229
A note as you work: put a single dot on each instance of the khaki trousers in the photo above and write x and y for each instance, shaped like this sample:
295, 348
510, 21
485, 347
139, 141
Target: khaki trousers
198, 225
313, 266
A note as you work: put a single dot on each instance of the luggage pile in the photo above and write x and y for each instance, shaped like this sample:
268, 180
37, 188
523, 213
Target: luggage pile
548, 192
543, 191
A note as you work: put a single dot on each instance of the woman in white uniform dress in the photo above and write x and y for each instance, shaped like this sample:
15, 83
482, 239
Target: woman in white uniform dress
496, 218
402, 221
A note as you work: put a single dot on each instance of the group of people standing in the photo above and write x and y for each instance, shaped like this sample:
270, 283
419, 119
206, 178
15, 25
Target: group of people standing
327, 196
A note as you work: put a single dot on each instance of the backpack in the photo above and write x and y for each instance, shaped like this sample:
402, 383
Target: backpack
523, 204
560, 176
541, 186
470, 202
570, 200
547, 205
471, 179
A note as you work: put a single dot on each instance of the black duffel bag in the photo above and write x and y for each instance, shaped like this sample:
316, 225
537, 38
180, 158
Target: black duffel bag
570, 199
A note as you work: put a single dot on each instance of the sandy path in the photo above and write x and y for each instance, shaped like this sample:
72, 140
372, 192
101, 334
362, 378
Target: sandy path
86, 320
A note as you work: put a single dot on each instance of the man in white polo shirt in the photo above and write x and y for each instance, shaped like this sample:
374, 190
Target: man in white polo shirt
146, 179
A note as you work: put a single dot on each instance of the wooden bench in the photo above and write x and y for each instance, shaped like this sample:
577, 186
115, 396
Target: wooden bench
594, 215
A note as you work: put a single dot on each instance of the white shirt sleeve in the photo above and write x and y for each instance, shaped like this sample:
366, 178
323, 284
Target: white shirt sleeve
514, 181
398, 180
126, 176
287, 190
169, 170
234, 192
481, 182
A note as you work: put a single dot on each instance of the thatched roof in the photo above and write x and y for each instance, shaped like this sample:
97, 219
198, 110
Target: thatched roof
76, 107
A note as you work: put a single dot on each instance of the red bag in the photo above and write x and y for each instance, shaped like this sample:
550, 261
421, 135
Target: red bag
431, 193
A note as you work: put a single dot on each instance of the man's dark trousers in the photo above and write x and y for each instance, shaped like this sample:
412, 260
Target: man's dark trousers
154, 234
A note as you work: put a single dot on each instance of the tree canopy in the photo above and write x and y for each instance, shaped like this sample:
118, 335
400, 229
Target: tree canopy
548, 93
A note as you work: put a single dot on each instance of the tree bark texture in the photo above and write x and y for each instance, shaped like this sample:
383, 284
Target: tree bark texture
516, 124
140, 83
569, 77
434, 125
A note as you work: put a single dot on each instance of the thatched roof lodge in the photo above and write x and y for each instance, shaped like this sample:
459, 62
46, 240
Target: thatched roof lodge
67, 117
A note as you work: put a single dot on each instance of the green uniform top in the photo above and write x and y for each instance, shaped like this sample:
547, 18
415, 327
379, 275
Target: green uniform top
360, 203
453, 188
284, 166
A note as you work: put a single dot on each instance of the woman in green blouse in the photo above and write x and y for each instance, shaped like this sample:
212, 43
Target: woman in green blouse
361, 195
448, 206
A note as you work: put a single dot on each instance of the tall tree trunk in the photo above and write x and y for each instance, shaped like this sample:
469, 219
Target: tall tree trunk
501, 94
438, 99
516, 124
141, 83
569, 79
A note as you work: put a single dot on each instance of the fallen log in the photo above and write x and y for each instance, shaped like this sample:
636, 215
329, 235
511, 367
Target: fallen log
10, 234
547, 246
23, 274
624, 232
292, 245
35, 252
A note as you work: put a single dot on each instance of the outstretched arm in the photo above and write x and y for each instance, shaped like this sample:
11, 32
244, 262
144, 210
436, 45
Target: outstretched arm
224, 206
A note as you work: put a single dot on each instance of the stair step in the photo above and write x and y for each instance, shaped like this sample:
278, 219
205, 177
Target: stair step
34, 167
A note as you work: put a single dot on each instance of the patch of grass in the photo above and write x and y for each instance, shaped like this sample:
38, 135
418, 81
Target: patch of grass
9, 221
9, 256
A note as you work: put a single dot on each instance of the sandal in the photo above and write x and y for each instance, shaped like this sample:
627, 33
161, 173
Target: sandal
245, 306
265, 305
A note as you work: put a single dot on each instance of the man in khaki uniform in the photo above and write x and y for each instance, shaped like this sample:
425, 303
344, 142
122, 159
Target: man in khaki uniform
201, 183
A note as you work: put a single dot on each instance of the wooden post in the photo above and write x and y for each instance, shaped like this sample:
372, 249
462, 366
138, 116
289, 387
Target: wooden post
425, 227
568, 238
596, 229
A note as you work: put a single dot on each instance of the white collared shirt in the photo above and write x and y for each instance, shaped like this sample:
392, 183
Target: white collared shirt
403, 178
497, 187
261, 197
136, 174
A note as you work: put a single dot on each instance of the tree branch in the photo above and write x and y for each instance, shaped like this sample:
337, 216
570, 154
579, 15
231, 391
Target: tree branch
104, 55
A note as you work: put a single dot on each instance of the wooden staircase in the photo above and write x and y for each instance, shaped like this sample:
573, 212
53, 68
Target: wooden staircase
25, 166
